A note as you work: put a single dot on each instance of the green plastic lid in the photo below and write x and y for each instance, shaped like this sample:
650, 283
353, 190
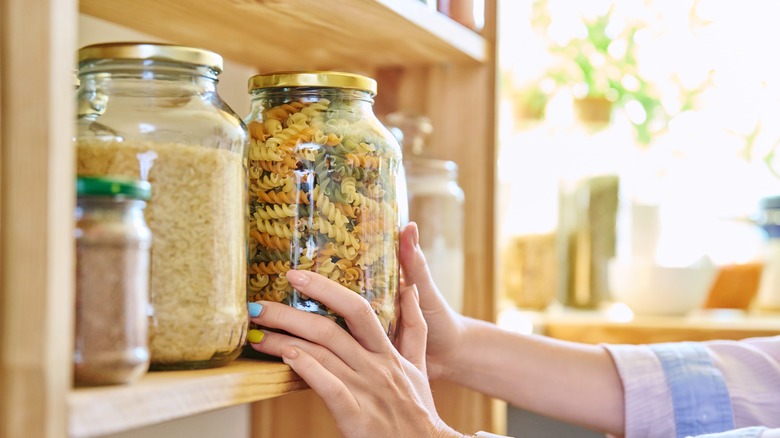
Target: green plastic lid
113, 186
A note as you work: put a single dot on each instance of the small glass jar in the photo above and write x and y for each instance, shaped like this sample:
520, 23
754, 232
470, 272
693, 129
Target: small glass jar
435, 203
152, 112
112, 281
323, 190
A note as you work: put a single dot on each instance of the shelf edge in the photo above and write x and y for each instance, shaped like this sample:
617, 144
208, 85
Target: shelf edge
164, 396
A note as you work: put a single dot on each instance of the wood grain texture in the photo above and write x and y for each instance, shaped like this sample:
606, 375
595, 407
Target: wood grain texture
36, 184
36, 222
162, 396
303, 34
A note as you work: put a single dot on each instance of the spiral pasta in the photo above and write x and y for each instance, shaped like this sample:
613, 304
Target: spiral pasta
322, 183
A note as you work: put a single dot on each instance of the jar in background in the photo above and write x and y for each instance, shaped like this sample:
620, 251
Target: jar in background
435, 204
152, 112
323, 190
112, 281
768, 294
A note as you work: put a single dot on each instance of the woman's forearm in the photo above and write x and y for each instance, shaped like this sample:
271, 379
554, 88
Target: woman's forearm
572, 382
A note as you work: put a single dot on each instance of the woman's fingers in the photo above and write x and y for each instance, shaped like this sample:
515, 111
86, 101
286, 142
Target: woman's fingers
356, 311
312, 327
413, 331
275, 344
416, 271
338, 398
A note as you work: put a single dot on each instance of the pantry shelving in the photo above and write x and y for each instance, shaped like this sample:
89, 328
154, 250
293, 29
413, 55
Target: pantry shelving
302, 34
424, 62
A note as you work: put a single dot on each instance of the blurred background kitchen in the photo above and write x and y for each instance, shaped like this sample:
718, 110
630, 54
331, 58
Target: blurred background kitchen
637, 159
634, 167
635, 137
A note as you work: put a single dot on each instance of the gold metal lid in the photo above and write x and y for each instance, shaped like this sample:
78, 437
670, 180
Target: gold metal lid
155, 51
324, 79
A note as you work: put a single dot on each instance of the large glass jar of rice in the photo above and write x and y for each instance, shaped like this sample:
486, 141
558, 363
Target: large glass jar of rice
324, 188
152, 112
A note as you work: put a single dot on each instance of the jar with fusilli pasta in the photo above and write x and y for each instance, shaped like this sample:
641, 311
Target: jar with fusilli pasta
152, 112
325, 182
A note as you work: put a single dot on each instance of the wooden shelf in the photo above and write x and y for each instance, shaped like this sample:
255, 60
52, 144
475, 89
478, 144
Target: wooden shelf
167, 395
303, 34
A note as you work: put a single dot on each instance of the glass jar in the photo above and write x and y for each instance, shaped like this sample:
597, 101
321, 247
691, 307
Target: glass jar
435, 204
151, 111
323, 190
768, 295
112, 281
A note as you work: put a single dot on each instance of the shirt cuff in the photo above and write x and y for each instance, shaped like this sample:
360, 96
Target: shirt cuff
672, 389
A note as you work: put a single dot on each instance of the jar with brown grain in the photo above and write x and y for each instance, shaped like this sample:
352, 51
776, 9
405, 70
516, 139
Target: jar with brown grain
112, 281
325, 184
152, 112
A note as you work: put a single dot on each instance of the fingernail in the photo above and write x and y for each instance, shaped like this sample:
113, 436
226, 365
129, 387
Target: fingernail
254, 309
289, 353
297, 278
414, 236
255, 336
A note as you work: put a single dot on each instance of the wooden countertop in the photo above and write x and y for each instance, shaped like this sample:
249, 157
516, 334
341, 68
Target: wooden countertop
617, 326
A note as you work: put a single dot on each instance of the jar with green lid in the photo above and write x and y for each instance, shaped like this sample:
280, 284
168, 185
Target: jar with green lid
325, 185
112, 281
152, 112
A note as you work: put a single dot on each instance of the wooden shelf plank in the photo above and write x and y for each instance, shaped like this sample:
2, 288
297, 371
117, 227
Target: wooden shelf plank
303, 34
166, 395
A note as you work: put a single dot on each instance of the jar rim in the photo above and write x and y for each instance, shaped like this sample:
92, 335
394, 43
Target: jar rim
153, 51
113, 186
323, 79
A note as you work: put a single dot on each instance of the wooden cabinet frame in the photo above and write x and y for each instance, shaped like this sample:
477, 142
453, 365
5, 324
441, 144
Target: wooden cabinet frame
423, 61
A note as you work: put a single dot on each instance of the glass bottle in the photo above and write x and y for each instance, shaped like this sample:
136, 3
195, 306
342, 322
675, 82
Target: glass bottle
324, 190
152, 112
112, 281
435, 204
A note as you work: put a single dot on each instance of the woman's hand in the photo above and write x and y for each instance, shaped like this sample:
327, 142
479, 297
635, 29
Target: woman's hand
370, 388
446, 327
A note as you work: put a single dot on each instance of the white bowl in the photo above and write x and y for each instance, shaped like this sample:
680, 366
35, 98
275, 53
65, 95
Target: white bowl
650, 289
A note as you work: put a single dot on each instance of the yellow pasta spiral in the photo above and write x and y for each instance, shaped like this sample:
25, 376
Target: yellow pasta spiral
275, 167
365, 204
339, 234
275, 211
340, 251
328, 209
256, 282
271, 181
373, 254
371, 226
271, 197
365, 161
259, 151
277, 267
274, 228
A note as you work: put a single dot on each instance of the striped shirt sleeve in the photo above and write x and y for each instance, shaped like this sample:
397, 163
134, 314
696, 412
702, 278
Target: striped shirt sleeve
690, 389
